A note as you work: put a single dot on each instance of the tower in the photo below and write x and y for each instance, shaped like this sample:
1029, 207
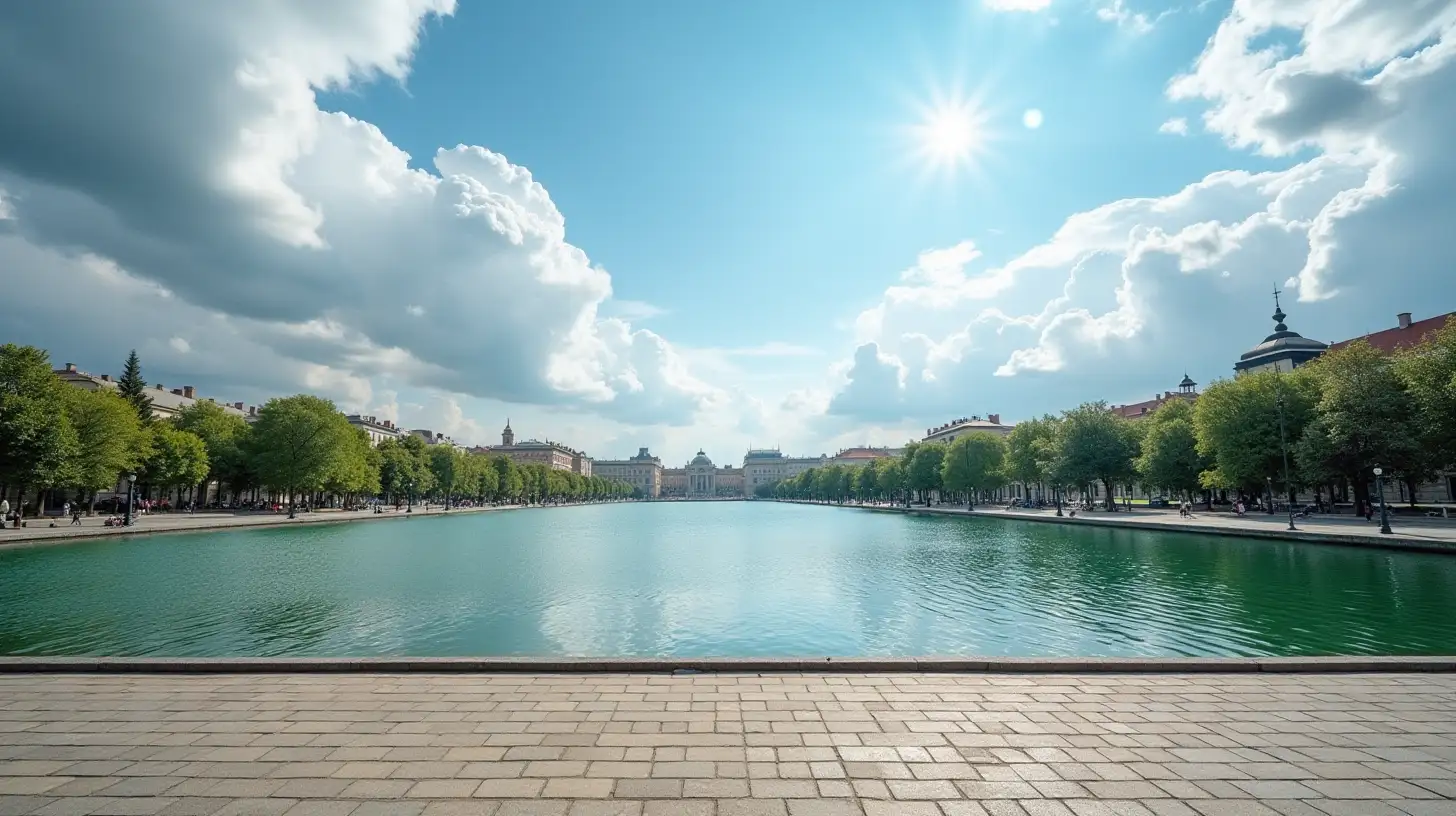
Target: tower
1284, 350
1188, 386
508, 436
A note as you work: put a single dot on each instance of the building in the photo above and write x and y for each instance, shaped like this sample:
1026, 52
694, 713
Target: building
551, 454
854, 457
643, 472
768, 466
1284, 350
378, 430
674, 482
1404, 335
1187, 390
165, 404
948, 432
702, 477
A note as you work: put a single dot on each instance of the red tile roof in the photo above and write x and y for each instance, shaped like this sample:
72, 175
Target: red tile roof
1391, 340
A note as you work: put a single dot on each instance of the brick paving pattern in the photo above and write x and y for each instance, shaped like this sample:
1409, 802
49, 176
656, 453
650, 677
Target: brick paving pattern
730, 745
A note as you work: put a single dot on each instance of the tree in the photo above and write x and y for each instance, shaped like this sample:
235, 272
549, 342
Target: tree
446, 467
1237, 423
110, 439
892, 479
1428, 371
1366, 416
37, 441
972, 465
1026, 454
134, 388
1095, 446
862, 482
924, 469
178, 458
1169, 458
224, 435
356, 467
296, 443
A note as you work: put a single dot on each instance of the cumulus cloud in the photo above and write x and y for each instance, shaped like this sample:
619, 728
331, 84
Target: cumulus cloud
1141, 286
188, 150
1133, 22
1177, 126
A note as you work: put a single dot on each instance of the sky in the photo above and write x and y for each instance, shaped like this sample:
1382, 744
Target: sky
719, 226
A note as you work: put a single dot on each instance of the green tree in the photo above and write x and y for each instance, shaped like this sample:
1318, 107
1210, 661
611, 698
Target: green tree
356, 467
446, 467
178, 458
224, 435
1026, 451
1428, 371
296, 443
1237, 423
924, 470
1170, 459
510, 484
134, 388
1366, 416
1095, 446
863, 484
892, 479
37, 442
972, 465
110, 438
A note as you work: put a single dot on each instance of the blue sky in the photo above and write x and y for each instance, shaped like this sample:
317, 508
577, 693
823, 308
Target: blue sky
715, 225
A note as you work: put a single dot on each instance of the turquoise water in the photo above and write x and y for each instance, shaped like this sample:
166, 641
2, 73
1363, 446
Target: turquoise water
719, 579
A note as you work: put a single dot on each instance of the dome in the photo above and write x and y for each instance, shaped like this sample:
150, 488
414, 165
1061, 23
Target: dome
1187, 382
701, 460
1281, 345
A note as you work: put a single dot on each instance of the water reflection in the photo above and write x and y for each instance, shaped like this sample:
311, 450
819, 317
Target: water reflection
720, 579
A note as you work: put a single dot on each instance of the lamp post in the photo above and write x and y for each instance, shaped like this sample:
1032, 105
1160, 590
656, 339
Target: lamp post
130, 485
409, 488
1384, 515
1057, 493
1284, 449
1269, 487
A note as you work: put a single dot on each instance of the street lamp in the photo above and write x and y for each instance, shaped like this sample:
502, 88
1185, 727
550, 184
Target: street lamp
1057, 493
1269, 481
409, 488
1384, 515
1284, 449
130, 485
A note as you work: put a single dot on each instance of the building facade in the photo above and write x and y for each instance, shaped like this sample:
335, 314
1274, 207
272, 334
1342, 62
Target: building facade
643, 472
377, 429
854, 457
956, 428
768, 466
551, 454
165, 403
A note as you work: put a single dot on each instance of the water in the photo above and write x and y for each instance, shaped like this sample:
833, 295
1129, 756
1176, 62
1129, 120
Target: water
719, 579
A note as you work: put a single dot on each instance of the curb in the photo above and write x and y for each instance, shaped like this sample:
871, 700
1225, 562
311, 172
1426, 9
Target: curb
1394, 542
825, 665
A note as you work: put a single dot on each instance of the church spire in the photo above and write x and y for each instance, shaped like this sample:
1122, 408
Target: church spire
1278, 313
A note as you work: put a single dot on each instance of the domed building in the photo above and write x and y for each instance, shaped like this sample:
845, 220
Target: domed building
1284, 350
702, 476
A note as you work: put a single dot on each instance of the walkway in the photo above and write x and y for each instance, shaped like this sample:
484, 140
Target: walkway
1420, 533
730, 745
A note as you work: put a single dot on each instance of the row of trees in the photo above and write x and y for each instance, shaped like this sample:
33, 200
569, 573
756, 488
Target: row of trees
1327, 424
56, 437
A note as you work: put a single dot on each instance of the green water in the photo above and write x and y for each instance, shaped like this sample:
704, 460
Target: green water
724, 579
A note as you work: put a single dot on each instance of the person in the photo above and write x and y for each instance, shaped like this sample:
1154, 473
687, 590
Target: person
75, 516
1369, 511
4, 511
66, 509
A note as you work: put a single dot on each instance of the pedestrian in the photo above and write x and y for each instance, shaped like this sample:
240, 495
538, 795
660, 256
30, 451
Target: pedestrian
75, 516
4, 511
66, 509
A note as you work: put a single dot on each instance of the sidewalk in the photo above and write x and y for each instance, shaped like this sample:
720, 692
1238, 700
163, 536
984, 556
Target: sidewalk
1407, 533
38, 531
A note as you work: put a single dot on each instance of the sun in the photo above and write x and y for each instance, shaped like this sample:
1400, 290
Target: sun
950, 135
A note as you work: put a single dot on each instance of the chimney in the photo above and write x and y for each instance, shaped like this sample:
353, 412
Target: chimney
161, 387
188, 392
252, 410
71, 367
106, 378
238, 405
177, 391
995, 418
1403, 319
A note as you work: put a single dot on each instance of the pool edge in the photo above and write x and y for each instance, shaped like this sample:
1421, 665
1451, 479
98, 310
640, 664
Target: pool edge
925, 665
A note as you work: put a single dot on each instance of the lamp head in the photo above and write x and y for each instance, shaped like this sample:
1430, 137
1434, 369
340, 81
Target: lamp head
1378, 471
131, 477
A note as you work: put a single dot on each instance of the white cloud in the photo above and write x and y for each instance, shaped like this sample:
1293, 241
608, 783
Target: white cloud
631, 310
1016, 5
1032, 119
1177, 126
1140, 287
190, 152
179, 345
1133, 22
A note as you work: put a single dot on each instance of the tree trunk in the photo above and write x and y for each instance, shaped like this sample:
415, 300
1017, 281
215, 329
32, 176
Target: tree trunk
1111, 502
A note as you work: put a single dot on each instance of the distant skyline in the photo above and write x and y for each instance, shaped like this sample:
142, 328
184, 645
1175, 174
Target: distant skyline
806, 226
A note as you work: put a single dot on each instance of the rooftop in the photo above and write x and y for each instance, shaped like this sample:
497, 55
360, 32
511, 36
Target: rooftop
1403, 335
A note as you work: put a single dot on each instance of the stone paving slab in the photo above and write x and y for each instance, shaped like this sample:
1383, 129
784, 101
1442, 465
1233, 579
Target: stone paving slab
787, 744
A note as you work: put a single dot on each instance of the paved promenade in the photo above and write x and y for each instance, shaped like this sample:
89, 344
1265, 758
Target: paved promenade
730, 745
1420, 533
